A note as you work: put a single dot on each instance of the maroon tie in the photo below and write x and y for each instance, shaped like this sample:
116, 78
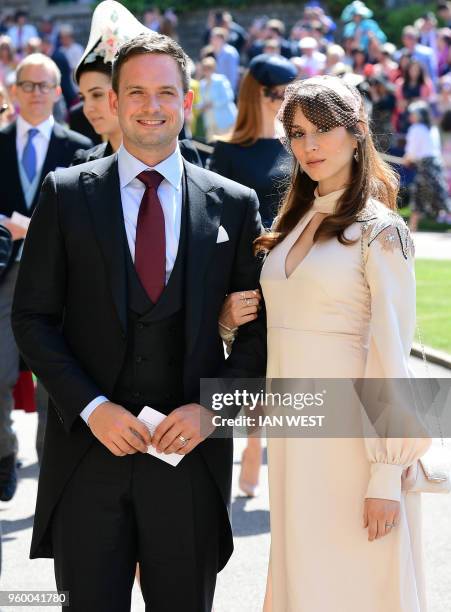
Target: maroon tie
150, 246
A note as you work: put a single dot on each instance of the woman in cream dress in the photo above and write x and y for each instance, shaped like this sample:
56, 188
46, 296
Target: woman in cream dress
339, 288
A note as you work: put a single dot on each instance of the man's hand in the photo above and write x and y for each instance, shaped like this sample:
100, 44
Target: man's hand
192, 421
377, 514
17, 231
118, 430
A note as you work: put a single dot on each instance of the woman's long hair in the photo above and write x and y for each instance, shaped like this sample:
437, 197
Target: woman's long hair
248, 124
371, 177
408, 79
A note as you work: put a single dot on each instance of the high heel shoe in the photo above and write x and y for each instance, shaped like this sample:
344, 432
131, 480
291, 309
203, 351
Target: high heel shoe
250, 470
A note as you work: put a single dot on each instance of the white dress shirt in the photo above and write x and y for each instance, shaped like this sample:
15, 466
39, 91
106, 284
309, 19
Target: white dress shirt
21, 35
40, 141
132, 190
422, 142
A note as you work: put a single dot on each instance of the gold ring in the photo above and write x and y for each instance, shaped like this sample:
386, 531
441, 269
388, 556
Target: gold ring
183, 440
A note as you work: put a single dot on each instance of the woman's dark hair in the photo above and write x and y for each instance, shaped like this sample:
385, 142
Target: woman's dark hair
371, 177
406, 74
97, 65
359, 51
422, 111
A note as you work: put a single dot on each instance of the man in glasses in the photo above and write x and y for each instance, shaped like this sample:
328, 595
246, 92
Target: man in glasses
30, 148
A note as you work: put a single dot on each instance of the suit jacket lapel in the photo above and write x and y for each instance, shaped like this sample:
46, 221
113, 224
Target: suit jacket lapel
204, 207
11, 169
102, 191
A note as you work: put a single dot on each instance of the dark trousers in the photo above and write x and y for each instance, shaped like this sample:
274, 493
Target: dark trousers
117, 511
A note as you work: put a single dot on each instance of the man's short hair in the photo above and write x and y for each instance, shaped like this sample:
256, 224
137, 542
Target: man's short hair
66, 29
221, 32
39, 59
276, 25
410, 31
209, 62
151, 44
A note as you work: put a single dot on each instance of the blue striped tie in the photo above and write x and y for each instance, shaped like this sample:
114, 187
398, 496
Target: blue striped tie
29, 155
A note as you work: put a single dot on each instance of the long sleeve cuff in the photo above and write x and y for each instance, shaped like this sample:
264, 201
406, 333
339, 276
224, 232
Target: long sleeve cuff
86, 412
385, 481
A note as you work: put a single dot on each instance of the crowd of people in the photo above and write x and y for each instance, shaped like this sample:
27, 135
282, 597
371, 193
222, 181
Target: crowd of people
354, 48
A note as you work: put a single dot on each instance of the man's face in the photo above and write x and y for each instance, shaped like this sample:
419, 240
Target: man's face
36, 106
66, 40
150, 104
217, 42
409, 41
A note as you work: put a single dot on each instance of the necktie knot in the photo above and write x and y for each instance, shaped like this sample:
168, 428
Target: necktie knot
32, 133
150, 178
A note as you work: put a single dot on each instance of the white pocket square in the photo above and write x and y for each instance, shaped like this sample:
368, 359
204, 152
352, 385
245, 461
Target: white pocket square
222, 235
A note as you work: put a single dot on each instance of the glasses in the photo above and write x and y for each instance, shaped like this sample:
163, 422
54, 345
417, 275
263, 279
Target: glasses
29, 86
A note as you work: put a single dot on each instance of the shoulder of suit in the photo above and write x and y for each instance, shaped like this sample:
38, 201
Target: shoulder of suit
78, 139
382, 225
91, 154
215, 180
7, 130
68, 177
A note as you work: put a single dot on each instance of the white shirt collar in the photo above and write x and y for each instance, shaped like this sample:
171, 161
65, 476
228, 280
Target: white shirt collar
45, 128
129, 167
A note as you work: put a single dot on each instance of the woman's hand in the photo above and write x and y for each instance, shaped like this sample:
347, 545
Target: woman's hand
239, 308
377, 514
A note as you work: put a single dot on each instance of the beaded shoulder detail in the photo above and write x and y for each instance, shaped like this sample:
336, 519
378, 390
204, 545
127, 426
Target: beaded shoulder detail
387, 227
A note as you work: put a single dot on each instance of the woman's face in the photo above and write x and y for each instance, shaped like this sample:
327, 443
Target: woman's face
94, 87
326, 156
359, 59
5, 54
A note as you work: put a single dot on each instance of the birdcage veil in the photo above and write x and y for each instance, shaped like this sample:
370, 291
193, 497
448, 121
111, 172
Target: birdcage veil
326, 101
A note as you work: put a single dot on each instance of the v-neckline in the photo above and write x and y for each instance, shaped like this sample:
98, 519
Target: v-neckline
290, 248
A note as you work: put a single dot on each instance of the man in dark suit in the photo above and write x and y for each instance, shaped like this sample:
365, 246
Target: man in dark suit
125, 268
30, 148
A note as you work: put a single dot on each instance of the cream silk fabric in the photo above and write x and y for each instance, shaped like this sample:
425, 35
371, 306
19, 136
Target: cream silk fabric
333, 319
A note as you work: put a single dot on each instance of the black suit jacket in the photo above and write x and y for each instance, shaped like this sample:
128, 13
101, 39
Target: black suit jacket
62, 146
70, 308
6, 247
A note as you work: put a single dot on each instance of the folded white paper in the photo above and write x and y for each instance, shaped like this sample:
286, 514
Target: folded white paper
152, 418
20, 220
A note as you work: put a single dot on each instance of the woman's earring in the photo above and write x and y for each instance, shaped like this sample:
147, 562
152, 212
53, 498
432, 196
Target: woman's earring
356, 155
